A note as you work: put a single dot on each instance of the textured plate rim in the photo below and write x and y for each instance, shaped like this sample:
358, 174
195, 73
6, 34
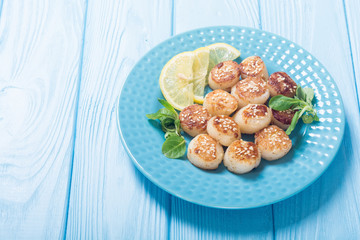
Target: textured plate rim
250, 206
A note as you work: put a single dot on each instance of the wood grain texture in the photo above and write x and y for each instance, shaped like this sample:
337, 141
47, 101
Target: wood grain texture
190, 221
109, 198
40, 45
351, 9
329, 208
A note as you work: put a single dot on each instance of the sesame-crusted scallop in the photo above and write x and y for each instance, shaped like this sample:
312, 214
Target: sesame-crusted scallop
242, 157
273, 142
250, 90
280, 83
193, 119
220, 102
252, 118
282, 119
205, 152
224, 75
224, 129
253, 66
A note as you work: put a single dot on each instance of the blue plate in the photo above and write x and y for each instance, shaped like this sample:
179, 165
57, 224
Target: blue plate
314, 145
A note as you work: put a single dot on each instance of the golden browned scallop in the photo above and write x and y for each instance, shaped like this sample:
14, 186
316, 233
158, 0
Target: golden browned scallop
193, 119
220, 102
224, 75
272, 142
250, 90
205, 152
241, 157
224, 129
253, 117
280, 83
253, 66
282, 119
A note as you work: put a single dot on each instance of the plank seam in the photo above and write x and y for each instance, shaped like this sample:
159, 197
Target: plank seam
259, 11
76, 117
351, 54
170, 196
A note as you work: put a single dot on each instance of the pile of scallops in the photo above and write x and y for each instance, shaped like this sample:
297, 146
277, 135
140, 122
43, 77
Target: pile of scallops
238, 107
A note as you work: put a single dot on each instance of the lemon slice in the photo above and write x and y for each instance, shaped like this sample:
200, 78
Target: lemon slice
176, 80
220, 52
200, 69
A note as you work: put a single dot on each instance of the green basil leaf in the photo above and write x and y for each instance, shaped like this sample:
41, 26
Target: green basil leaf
167, 105
309, 95
168, 125
178, 126
316, 118
307, 119
300, 93
281, 103
169, 134
174, 147
162, 114
293, 123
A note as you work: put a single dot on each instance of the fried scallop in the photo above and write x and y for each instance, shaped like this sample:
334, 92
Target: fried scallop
193, 119
224, 75
272, 142
224, 129
282, 119
220, 102
253, 66
280, 83
241, 157
250, 90
253, 117
205, 152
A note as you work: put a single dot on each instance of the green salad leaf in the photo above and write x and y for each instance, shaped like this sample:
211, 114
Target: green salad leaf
301, 103
174, 145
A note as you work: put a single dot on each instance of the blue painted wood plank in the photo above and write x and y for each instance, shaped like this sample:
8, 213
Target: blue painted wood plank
351, 11
190, 221
109, 198
40, 45
329, 208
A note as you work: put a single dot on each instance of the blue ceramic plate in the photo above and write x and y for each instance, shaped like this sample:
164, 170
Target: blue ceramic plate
314, 145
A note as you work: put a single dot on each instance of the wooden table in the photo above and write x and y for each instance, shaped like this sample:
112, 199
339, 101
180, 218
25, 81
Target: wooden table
63, 170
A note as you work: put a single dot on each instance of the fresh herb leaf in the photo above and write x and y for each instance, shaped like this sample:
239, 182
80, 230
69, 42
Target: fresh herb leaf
169, 134
174, 147
178, 126
167, 105
309, 95
162, 114
307, 119
168, 125
316, 118
301, 103
293, 123
300, 93
281, 103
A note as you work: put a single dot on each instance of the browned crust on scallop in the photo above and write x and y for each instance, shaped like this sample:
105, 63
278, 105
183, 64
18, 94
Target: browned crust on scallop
281, 83
225, 72
218, 100
226, 124
251, 87
205, 148
194, 116
244, 151
284, 117
255, 111
272, 138
251, 66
